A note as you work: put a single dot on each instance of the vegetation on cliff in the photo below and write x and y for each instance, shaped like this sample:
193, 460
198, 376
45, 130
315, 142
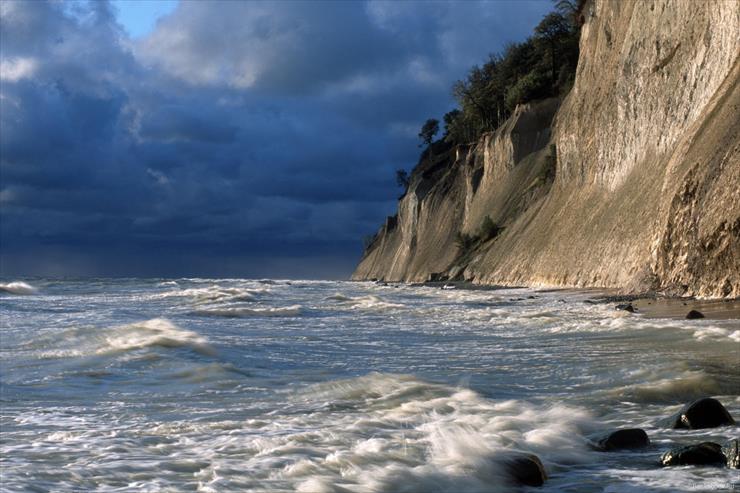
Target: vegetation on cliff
542, 66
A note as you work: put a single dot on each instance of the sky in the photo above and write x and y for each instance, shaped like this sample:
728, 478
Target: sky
224, 139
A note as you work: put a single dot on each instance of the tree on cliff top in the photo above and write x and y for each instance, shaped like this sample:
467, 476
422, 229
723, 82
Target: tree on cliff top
542, 66
550, 32
428, 131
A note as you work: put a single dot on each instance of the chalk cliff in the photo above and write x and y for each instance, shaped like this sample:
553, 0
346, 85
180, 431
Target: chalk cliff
632, 181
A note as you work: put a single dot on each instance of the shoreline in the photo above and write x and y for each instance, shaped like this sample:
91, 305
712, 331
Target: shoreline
649, 305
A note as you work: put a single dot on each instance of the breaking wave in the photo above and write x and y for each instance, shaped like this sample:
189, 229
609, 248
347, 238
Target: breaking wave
715, 333
388, 432
363, 302
292, 404
669, 385
150, 333
17, 287
235, 312
91, 341
216, 294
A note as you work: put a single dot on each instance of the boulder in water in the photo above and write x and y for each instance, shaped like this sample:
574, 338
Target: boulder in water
702, 413
627, 438
732, 454
525, 469
702, 454
694, 314
626, 307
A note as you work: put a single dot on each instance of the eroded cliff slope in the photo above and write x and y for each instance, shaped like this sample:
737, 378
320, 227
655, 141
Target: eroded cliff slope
632, 182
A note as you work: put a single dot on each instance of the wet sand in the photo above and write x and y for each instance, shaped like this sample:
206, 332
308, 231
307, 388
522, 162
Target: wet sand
645, 305
654, 306
678, 308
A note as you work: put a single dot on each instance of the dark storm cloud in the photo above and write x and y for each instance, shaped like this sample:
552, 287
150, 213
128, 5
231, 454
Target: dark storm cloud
235, 138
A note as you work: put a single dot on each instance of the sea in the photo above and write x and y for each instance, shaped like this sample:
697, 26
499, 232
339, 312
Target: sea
214, 385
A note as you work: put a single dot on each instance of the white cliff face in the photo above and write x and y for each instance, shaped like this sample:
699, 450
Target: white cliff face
645, 190
646, 72
456, 190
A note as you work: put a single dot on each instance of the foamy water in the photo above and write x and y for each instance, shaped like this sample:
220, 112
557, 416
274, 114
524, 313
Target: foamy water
17, 287
235, 385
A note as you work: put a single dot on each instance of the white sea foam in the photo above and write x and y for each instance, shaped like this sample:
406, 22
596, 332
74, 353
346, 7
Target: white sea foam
384, 432
17, 287
716, 333
216, 294
253, 418
90, 341
150, 333
368, 302
675, 383
235, 312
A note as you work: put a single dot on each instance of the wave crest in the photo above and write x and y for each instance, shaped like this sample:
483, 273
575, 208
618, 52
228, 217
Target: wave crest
150, 333
670, 385
236, 312
363, 302
215, 294
17, 287
399, 433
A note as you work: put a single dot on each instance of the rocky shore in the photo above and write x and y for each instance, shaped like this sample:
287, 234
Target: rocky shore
526, 469
649, 305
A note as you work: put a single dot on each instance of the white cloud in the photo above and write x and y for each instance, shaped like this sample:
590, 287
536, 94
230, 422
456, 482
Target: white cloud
15, 69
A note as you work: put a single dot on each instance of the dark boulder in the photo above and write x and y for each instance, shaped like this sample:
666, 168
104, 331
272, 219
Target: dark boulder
628, 438
524, 469
732, 454
702, 413
694, 314
702, 454
626, 307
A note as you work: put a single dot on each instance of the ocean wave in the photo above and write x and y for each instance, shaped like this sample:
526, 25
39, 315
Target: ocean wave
716, 333
368, 302
669, 385
387, 432
92, 341
17, 287
210, 372
216, 294
152, 333
235, 312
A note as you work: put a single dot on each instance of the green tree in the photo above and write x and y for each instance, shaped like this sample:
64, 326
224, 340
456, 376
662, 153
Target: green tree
428, 131
551, 31
458, 129
450, 119
534, 85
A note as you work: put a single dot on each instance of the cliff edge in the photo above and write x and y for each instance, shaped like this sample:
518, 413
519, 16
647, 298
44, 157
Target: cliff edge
631, 182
